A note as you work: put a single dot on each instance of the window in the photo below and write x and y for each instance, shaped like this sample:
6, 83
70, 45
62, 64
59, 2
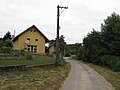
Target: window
32, 48
34, 30
36, 39
29, 48
31, 30
35, 48
28, 38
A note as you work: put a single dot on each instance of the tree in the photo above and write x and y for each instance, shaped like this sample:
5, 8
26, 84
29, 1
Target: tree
72, 49
62, 41
8, 43
103, 47
80, 53
62, 44
92, 46
51, 42
7, 36
110, 31
1, 42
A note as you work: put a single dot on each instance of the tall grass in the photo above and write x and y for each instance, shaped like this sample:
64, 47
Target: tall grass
36, 60
35, 78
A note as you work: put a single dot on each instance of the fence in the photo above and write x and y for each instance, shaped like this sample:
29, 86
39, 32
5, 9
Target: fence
38, 60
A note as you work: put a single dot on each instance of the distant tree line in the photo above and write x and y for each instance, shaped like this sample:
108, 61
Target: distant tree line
103, 47
71, 49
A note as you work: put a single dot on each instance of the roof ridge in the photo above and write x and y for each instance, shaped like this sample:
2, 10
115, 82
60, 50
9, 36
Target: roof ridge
46, 39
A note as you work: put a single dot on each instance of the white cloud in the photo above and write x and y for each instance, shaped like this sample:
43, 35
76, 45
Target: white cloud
76, 21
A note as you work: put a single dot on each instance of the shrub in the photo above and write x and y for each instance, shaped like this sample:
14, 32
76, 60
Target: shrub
67, 55
29, 56
117, 66
112, 62
16, 52
7, 50
23, 52
8, 43
62, 63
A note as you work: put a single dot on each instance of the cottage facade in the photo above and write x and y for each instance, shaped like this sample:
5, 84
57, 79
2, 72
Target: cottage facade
32, 40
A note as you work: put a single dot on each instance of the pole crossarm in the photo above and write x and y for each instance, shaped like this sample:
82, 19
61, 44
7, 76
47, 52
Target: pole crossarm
63, 7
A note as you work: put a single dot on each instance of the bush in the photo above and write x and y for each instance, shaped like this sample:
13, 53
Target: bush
7, 50
63, 63
117, 66
112, 62
67, 55
23, 52
29, 56
80, 54
8, 43
16, 52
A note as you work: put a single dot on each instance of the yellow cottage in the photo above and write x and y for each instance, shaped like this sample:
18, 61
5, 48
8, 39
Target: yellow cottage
32, 40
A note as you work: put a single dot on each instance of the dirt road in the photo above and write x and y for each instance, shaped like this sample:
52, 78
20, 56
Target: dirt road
82, 77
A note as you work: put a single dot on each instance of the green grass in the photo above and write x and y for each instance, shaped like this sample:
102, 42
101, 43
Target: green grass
110, 76
39, 78
37, 59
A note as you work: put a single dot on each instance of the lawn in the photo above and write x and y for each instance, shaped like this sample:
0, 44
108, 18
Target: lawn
109, 75
37, 59
39, 78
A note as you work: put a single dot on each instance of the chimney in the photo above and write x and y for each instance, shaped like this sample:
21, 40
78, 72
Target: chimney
13, 36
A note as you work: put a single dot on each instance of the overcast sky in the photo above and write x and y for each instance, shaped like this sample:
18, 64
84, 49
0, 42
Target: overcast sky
79, 19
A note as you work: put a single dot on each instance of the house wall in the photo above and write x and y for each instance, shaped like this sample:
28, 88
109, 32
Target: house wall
51, 50
15, 45
32, 34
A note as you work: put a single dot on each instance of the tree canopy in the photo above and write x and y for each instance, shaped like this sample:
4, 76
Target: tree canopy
103, 47
7, 36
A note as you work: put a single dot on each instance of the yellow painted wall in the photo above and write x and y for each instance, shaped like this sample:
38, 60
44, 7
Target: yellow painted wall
51, 50
15, 45
32, 35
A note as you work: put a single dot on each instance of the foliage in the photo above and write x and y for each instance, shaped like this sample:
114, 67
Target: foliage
6, 50
7, 36
112, 62
110, 32
63, 63
8, 43
20, 60
51, 42
92, 46
6, 46
62, 44
72, 49
23, 52
80, 54
29, 56
103, 47
1, 43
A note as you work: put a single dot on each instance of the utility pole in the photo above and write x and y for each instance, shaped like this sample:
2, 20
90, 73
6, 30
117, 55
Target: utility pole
57, 38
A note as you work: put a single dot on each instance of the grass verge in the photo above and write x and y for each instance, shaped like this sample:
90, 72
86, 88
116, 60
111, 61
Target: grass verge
39, 78
109, 75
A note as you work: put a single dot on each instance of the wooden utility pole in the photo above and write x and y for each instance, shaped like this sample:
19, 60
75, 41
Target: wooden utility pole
57, 38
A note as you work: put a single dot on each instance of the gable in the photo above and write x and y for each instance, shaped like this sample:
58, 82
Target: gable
33, 29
